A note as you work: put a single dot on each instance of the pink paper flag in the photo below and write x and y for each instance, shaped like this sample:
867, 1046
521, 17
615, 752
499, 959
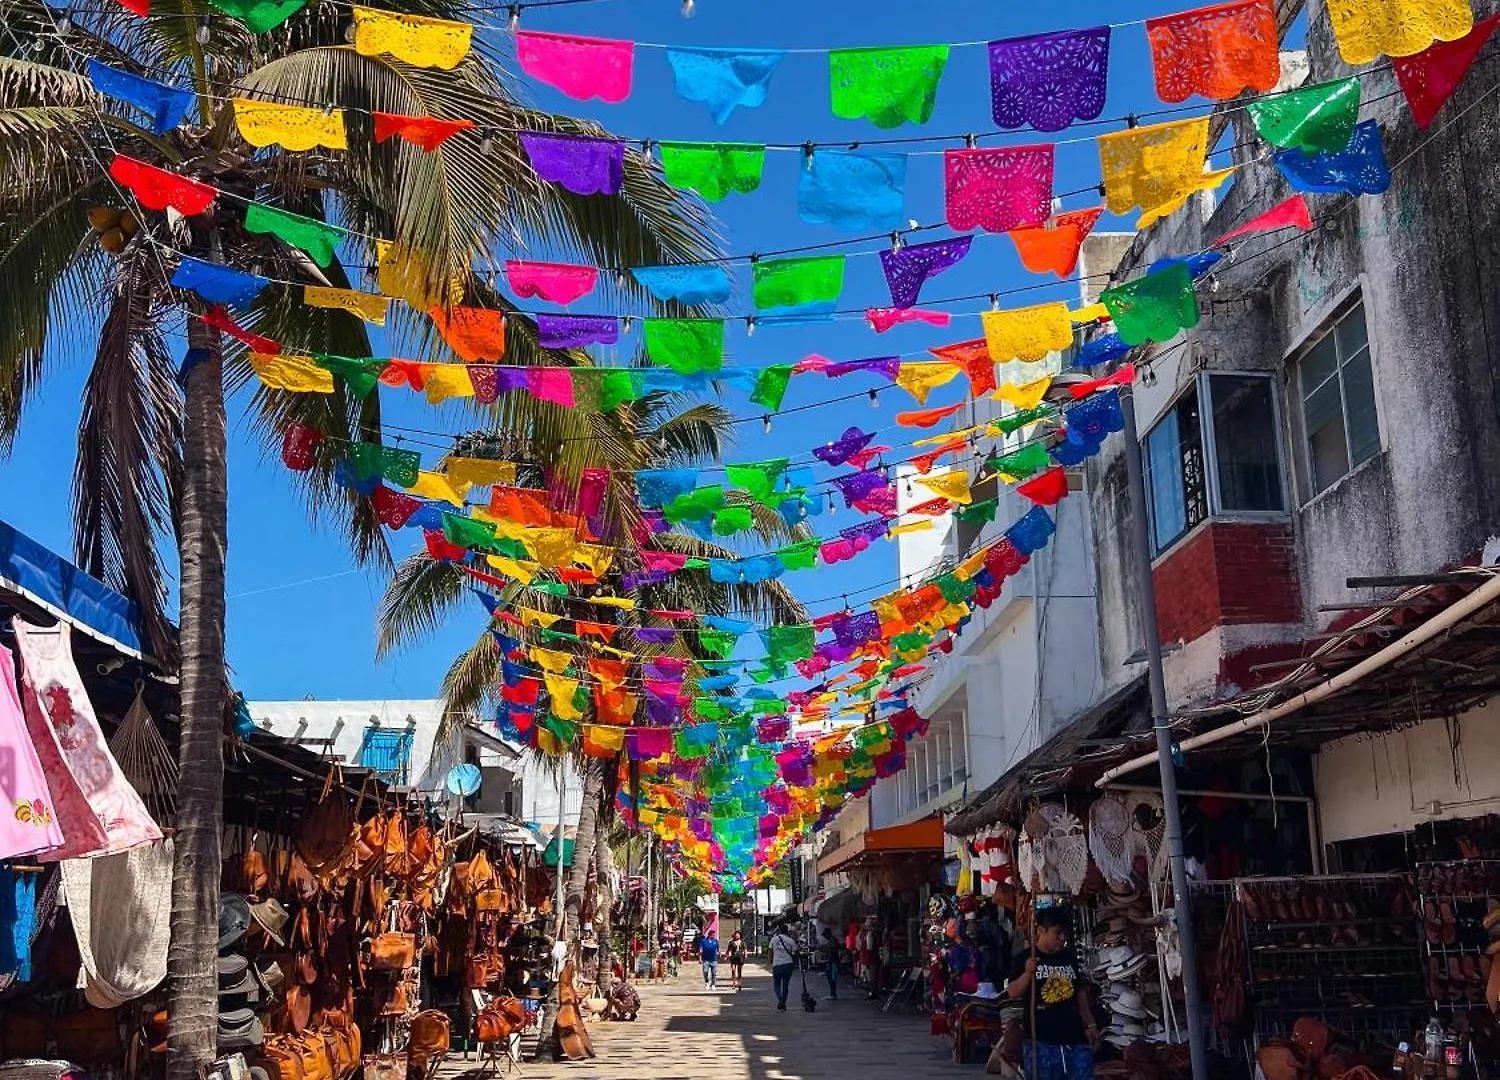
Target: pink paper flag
882, 319
1291, 212
561, 283
662, 560
581, 67
551, 384
1000, 189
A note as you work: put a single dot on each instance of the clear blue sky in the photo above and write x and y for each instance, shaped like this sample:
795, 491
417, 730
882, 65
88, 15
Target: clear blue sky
301, 621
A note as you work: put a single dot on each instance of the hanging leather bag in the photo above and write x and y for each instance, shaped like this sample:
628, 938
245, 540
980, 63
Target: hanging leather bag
393, 951
325, 834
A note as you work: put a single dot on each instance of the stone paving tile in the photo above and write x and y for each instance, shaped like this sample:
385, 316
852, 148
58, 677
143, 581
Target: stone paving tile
687, 1033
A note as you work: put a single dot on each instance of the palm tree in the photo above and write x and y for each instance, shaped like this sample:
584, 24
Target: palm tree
150, 471
653, 432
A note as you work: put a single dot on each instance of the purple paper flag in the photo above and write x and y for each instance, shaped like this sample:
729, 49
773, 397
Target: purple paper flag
583, 165
856, 486
909, 268
576, 331
1049, 80
851, 442
834, 652
857, 629
632, 580
866, 531
663, 712
655, 635
889, 366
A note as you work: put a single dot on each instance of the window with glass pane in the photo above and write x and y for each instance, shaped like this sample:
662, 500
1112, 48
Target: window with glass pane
1340, 429
1244, 427
1174, 473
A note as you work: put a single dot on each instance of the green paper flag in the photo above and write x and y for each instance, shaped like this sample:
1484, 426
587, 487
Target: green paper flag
1315, 119
768, 706
732, 519
303, 233
912, 641
398, 466
978, 512
799, 556
512, 549
770, 387
551, 588
466, 532
694, 505
1155, 307
790, 282
1017, 420
687, 346
619, 387
695, 564
954, 590
713, 169
758, 478
557, 635
785, 643
716, 642
360, 376
707, 708
1027, 461
889, 87
564, 731
260, 15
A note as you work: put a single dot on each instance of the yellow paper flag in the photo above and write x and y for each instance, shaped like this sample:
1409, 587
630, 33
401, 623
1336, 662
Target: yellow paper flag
1026, 395
480, 472
298, 374
596, 557
520, 570
296, 127
921, 377
920, 525
1156, 167
1091, 313
368, 306
434, 485
552, 547
533, 617
404, 272
624, 603
444, 381
552, 660
1364, 29
416, 39
1027, 334
952, 485
561, 690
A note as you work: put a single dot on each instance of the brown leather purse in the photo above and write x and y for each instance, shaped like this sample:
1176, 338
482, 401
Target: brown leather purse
500, 1019
302, 884
324, 836
298, 1057
489, 900
343, 1040
430, 1038
393, 951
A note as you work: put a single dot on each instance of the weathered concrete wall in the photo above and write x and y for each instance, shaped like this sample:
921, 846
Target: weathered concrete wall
1424, 258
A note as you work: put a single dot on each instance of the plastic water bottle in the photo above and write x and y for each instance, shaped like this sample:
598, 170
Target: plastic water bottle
1432, 1042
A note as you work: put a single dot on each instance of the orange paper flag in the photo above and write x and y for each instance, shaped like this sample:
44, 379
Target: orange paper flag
472, 333
926, 418
975, 360
1054, 249
428, 132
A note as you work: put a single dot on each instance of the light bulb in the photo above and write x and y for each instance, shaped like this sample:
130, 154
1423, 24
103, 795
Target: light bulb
874, 399
515, 17
687, 9
750, 330
64, 24
486, 145
202, 35
766, 423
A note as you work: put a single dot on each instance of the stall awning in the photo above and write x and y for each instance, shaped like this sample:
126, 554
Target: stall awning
51, 583
923, 837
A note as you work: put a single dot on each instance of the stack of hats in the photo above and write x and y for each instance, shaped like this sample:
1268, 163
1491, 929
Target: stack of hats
241, 985
1125, 964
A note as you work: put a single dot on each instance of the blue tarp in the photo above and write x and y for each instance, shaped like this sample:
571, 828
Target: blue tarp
47, 577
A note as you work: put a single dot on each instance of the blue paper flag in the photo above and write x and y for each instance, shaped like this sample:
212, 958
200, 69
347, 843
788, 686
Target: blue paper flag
218, 284
1093, 419
166, 105
856, 192
657, 487
672, 382
685, 284
1357, 169
1031, 532
737, 627
345, 477
1101, 351
1197, 265
723, 79
717, 682
428, 516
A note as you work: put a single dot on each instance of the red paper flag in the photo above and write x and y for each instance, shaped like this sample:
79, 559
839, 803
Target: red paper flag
925, 462
1124, 377
1429, 79
443, 551
139, 7
298, 446
1003, 560
159, 189
932, 508
394, 508
428, 132
1049, 489
974, 357
1281, 216
1218, 51
219, 319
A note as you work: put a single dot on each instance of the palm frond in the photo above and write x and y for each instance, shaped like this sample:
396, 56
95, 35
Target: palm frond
472, 682
422, 593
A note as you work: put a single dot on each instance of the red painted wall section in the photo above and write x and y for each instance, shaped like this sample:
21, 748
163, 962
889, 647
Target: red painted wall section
1227, 573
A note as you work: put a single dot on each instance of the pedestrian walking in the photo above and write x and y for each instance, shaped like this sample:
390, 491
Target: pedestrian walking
828, 956
734, 952
1059, 1020
708, 953
783, 962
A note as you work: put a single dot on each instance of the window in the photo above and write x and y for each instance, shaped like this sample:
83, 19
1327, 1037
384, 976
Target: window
1222, 459
385, 753
1336, 391
1175, 482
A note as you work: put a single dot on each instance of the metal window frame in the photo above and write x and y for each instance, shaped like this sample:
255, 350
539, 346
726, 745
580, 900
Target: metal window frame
1216, 509
1191, 385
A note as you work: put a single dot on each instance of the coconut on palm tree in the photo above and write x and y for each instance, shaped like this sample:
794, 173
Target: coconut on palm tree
86, 268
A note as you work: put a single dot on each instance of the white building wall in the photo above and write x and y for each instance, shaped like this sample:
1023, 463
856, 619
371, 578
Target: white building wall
1393, 783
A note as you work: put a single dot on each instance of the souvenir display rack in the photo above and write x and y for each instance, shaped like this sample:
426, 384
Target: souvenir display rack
1342, 948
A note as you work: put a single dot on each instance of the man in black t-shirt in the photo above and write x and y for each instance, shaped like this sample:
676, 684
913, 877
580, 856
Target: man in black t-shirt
1052, 985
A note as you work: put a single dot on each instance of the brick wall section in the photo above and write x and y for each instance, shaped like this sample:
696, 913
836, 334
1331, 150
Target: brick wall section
1227, 573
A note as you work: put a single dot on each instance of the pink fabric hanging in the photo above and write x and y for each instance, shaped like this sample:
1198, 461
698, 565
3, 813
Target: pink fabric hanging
581, 67
560, 283
28, 817
100, 812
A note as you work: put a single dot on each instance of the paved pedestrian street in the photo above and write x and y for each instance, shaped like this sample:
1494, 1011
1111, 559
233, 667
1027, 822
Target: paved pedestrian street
687, 1033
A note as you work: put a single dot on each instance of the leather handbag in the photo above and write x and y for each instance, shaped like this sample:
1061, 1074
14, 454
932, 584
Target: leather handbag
396, 1000
298, 1057
324, 835
280, 1060
302, 884
478, 973
489, 900
343, 1040
385, 1066
393, 951
398, 857
429, 1039
298, 1009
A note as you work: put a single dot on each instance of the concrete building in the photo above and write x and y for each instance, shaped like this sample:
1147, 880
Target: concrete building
407, 743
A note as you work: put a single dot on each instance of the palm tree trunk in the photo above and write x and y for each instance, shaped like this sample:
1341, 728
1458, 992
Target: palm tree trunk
200, 793
604, 900
583, 845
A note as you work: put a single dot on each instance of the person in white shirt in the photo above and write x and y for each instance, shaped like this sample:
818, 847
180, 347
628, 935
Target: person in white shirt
783, 962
